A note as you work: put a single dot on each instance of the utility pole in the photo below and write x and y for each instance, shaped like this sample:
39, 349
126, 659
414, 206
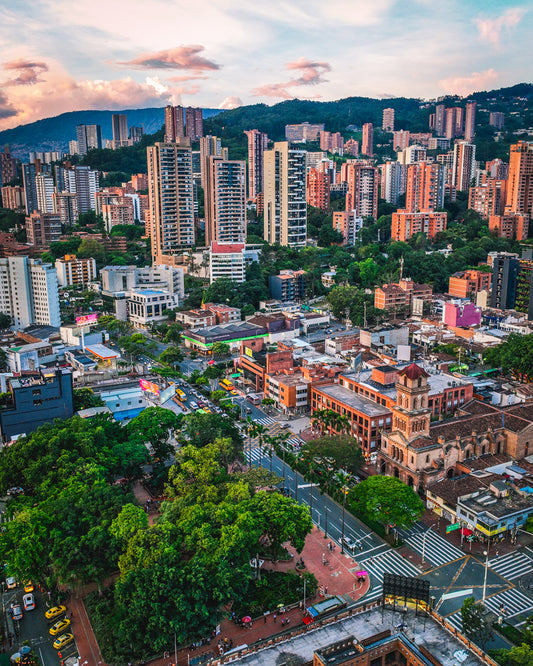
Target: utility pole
364, 315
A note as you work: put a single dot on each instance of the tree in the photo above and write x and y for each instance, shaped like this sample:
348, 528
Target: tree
171, 356
90, 247
475, 625
220, 349
86, 397
387, 500
173, 333
343, 450
204, 429
155, 426
280, 519
213, 372
5, 321
217, 396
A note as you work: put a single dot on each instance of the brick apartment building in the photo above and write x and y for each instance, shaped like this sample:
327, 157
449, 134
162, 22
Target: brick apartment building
401, 294
468, 283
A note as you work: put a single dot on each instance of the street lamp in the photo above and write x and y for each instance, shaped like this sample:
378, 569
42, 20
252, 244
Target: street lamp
486, 553
343, 510
424, 542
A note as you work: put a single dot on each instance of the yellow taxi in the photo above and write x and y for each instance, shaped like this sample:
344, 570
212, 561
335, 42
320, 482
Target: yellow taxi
59, 626
56, 611
28, 586
63, 640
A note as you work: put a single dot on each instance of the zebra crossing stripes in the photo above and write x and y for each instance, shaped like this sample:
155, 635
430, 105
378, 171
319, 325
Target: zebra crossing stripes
388, 562
456, 620
512, 565
266, 420
437, 550
514, 601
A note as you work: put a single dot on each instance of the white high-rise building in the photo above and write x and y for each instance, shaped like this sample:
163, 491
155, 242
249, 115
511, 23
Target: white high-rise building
393, 177
29, 292
285, 196
44, 184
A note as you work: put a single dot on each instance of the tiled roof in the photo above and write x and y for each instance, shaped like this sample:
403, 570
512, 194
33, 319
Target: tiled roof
413, 371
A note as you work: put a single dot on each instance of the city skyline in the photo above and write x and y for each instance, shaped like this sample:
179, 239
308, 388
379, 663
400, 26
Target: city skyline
225, 54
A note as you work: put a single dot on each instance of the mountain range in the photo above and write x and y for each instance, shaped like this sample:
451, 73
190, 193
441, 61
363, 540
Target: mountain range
55, 133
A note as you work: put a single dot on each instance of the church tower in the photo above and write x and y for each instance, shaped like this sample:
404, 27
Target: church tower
411, 415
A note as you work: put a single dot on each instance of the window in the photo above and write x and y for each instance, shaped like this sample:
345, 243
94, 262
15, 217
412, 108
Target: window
37, 403
36, 392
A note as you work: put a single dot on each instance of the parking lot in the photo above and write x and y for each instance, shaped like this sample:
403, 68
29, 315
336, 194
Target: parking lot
33, 627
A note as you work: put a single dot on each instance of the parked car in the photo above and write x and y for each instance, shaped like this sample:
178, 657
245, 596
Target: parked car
54, 612
63, 640
194, 405
16, 611
11, 583
29, 601
59, 626
28, 586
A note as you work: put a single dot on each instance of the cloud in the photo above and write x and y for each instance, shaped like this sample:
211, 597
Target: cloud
63, 93
490, 29
230, 103
181, 57
7, 110
28, 72
310, 75
464, 85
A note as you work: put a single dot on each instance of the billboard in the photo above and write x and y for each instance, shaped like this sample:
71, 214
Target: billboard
149, 387
167, 394
86, 320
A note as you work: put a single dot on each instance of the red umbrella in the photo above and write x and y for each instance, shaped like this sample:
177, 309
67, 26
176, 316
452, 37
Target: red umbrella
466, 532
246, 619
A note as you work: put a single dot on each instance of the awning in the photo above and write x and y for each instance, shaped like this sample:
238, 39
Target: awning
466, 532
361, 573
307, 619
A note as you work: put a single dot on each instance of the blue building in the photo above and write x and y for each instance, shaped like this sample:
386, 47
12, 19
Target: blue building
36, 398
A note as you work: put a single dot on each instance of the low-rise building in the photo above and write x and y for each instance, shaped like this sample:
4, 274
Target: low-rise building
349, 224
30, 356
229, 260
35, 399
465, 284
208, 315
232, 334
406, 224
255, 365
384, 336
461, 314
146, 307
280, 325
287, 286
510, 225
341, 341
401, 294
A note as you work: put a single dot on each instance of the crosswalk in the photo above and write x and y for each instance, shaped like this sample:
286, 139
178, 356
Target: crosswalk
456, 620
265, 420
512, 565
388, 562
513, 600
436, 550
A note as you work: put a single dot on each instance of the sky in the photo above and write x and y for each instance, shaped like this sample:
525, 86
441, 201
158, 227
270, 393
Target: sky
60, 56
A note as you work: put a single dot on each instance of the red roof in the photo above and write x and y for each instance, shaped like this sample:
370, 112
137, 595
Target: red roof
413, 371
226, 248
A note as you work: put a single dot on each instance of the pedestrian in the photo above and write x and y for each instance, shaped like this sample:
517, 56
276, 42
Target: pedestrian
275, 618
265, 618
325, 590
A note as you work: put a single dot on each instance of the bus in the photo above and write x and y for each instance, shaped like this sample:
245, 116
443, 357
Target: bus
226, 385
180, 395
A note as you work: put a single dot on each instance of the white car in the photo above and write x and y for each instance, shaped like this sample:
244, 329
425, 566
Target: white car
29, 601
11, 583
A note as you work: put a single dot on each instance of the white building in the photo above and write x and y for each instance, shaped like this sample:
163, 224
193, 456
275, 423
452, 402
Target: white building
146, 306
229, 260
29, 292
44, 185
119, 282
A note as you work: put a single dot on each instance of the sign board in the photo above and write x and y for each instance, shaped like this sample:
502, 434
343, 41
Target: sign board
86, 320
451, 528
149, 387
248, 351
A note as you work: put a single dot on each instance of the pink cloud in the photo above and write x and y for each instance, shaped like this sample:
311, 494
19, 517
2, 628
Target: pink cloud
230, 103
66, 94
28, 72
490, 29
310, 75
180, 57
464, 85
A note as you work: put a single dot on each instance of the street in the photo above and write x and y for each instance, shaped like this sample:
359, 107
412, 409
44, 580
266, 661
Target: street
451, 571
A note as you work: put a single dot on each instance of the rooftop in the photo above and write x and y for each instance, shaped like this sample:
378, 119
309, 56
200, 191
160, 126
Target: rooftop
353, 400
440, 643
